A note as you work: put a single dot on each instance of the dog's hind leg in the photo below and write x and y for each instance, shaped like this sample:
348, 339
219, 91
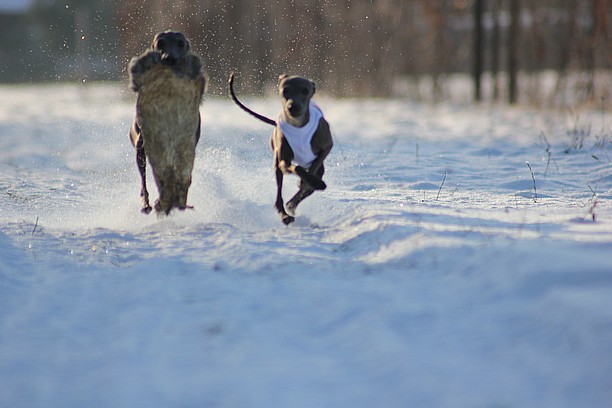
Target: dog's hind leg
166, 185
141, 162
298, 197
184, 159
180, 198
141, 159
279, 205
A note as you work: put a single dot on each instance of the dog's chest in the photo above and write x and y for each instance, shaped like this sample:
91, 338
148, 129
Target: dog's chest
302, 148
299, 139
167, 103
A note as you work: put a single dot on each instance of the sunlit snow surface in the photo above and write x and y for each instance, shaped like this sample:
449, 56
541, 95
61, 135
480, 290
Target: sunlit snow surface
428, 274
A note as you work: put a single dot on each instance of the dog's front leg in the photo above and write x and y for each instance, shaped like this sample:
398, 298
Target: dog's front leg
306, 176
304, 192
317, 164
139, 65
141, 160
279, 205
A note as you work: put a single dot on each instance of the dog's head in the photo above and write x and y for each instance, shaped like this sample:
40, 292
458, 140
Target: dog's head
296, 93
172, 46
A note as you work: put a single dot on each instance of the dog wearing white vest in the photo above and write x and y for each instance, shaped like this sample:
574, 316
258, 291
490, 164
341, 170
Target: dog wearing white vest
301, 140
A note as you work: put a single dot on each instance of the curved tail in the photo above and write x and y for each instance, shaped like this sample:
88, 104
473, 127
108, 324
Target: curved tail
243, 107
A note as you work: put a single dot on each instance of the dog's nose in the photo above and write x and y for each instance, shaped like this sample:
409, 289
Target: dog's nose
168, 58
293, 108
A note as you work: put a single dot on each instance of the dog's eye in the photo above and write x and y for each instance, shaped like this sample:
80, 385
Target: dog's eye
181, 44
305, 91
160, 44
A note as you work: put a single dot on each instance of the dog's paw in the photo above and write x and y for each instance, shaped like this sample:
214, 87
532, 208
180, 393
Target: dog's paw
291, 207
150, 59
310, 179
287, 219
162, 208
139, 65
146, 209
316, 183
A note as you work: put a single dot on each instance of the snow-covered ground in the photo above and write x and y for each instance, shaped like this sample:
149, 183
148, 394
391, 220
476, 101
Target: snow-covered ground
430, 273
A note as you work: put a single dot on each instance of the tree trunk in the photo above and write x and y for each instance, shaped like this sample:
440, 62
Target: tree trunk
478, 48
513, 40
495, 47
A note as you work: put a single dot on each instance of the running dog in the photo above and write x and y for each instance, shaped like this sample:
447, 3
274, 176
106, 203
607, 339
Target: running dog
170, 85
301, 140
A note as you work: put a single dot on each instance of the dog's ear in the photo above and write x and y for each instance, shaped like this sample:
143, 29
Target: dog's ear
154, 41
156, 38
186, 42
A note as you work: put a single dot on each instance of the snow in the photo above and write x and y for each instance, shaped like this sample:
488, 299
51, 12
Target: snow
392, 288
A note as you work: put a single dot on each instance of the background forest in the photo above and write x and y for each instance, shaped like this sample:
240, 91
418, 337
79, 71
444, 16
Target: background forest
548, 51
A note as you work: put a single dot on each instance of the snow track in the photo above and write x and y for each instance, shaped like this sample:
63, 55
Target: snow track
429, 273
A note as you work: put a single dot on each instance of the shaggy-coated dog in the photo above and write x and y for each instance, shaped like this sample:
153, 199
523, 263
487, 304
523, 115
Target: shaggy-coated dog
170, 85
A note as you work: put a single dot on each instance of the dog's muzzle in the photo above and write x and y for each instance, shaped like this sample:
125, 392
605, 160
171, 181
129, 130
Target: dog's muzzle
294, 109
168, 59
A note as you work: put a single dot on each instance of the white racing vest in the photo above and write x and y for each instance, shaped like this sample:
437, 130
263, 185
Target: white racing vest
299, 138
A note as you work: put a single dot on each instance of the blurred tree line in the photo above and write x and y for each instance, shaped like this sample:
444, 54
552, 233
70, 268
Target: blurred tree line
349, 47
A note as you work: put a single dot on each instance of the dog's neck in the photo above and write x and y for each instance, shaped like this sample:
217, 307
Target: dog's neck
299, 121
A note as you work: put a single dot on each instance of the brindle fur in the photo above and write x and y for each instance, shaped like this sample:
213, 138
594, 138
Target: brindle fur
170, 84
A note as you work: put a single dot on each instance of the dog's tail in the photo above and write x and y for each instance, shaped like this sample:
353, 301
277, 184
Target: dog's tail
257, 115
